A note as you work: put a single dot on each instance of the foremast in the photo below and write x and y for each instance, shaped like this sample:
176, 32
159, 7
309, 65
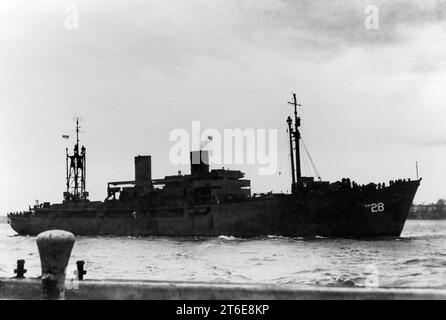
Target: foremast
296, 174
76, 171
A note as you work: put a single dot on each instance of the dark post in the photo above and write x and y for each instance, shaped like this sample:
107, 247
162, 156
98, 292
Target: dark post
84, 170
55, 249
296, 136
68, 174
293, 177
20, 271
80, 270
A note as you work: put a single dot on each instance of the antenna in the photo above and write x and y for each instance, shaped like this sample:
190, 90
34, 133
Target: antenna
77, 131
295, 104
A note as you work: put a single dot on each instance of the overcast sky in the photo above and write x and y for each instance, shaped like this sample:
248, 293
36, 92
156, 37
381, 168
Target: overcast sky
373, 100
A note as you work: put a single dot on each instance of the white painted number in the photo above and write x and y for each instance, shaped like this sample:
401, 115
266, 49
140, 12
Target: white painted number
375, 207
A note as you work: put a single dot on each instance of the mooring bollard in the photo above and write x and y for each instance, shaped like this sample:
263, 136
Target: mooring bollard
20, 271
55, 249
80, 270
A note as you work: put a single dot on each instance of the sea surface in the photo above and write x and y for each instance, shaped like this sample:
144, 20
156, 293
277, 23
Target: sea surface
417, 259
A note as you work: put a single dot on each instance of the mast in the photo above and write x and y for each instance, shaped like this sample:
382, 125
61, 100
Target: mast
416, 168
296, 134
67, 171
76, 171
293, 177
77, 132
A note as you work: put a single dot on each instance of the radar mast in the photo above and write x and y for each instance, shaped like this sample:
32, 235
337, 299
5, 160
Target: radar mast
76, 171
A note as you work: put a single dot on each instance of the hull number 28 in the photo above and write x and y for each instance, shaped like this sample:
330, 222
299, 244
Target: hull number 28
375, 207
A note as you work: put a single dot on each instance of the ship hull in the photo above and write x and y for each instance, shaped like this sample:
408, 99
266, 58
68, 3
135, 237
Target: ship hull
345, 213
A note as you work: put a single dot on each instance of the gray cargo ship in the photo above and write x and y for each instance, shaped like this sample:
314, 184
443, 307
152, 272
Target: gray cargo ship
219, 202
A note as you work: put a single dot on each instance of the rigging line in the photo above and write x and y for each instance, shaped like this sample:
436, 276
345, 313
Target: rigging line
303, 165
311, 160
306, 165
304, 161
312, 170
310, 167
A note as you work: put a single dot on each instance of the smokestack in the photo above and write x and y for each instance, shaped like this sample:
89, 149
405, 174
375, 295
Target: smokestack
199, 163
143, 171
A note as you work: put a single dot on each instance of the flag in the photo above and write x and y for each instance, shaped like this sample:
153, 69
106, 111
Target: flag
66, 136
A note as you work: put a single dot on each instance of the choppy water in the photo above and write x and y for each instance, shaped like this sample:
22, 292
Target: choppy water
417, 259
